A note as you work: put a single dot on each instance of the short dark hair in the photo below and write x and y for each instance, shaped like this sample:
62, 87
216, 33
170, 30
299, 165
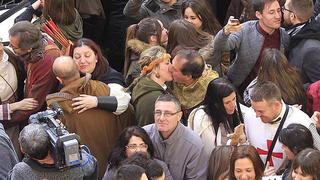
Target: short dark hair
265, 90
259, 5
129, 172
34, 141
154, 170
169, 98
303, 9
27, 33
194, 64
296, 137
139, 158
308, 160
152, 167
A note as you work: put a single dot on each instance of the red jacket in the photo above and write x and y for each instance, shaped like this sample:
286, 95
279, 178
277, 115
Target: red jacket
39, 83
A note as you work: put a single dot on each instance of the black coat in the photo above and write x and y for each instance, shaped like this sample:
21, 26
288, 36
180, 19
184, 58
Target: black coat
304, 51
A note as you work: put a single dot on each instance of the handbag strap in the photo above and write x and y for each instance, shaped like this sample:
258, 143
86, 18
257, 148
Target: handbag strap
275, 138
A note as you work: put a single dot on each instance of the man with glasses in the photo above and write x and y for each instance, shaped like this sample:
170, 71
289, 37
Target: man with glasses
179, 147
304, 34
37, 53
26, 76
249, 39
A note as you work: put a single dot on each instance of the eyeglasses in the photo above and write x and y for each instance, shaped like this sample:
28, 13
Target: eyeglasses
14, 48
166, 114
135, 147
285, 9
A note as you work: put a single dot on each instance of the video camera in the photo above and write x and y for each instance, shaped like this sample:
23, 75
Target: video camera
64, 145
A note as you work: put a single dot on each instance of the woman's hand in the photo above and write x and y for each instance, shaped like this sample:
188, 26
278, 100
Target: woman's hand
84, 102
37, 4
25, 105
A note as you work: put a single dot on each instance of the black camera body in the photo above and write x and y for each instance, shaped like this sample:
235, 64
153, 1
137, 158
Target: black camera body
64, 145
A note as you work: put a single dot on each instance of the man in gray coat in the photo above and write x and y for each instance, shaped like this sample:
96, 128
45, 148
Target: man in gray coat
179, 147
250, 39
304, 34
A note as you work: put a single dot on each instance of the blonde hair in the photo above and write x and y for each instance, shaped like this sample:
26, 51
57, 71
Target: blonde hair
149, 59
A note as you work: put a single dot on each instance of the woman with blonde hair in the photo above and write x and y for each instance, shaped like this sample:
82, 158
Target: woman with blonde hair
154, 63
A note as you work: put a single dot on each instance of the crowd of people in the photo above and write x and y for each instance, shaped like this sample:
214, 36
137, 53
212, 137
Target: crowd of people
207, 90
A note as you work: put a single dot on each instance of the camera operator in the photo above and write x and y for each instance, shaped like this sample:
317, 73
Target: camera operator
39, 162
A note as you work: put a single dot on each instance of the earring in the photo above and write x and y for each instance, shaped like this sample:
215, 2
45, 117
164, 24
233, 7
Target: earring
157, 75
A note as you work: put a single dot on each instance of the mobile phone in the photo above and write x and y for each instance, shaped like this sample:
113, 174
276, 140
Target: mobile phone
233, 20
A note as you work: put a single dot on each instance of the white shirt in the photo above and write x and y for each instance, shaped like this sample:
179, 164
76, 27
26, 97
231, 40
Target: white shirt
261, 134
122, 97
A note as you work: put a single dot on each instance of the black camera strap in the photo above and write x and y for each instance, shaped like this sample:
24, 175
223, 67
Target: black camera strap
275, 138
39, 167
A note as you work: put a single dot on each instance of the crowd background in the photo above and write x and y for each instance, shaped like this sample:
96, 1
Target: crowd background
166, 89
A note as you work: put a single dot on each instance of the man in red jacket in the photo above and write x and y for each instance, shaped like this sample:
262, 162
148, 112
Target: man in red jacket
37, 53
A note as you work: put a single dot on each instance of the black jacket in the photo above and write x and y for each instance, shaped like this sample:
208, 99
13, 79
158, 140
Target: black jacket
304, 51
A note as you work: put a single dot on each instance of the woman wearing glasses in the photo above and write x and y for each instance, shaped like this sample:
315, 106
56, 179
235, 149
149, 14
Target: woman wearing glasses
132, 140
155, 63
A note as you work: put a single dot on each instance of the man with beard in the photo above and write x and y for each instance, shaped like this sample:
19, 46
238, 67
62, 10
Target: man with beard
250, 39
37, 53
304, 34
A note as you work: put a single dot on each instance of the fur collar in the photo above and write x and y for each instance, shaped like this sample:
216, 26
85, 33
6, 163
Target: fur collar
138, 46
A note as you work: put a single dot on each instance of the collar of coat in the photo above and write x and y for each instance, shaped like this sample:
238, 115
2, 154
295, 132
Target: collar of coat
63, 95
138, 46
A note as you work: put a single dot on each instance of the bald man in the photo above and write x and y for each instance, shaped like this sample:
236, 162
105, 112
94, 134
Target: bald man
97, 128
65, 69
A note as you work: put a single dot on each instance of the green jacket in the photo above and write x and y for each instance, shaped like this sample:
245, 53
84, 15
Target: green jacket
144, 95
